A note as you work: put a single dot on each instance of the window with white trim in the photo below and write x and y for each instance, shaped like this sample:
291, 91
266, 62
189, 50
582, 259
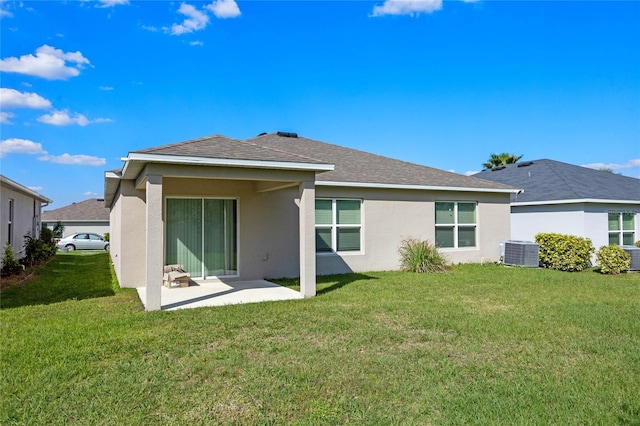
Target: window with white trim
622, 226
456, 224
10, 223
338, 225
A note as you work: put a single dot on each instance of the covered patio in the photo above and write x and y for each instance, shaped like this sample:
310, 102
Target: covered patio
203, 293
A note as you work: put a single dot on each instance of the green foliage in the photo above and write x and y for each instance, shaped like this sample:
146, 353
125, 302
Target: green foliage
564, 252
58, 230
10, 264
613, 260
107, 236
638, 243
500, 160
39, 249
421, 256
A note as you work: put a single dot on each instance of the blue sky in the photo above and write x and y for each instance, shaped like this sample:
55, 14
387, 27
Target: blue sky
439, 83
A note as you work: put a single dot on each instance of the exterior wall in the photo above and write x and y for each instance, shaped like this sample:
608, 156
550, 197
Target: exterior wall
24, 221
71, 228
389, 216
584, 220
268, 225
127, 247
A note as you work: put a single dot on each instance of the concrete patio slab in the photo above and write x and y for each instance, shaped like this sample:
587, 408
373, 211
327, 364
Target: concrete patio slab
218, 293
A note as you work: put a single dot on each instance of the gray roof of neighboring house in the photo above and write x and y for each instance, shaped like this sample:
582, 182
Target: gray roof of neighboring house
351, 166
88, 210
549, 180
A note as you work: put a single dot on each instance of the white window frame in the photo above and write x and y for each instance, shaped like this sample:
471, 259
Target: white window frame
334, 227
10, 221
456, 225
620, 231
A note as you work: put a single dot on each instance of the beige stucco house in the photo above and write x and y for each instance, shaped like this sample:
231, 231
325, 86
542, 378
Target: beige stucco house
20, 211
280, 205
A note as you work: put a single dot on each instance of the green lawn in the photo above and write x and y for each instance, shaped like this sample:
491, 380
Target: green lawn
480, 345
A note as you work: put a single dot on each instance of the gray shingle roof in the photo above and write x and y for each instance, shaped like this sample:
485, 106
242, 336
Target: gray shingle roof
223, 147
549, 180
351, 165
92, 209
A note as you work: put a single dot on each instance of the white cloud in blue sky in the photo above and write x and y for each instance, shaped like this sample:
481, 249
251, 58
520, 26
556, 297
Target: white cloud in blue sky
48, 62
79, 159
111, 3
20, 146
195, 21
5, 117
224, 9
63, 118
407, 7
631, 164
11, 98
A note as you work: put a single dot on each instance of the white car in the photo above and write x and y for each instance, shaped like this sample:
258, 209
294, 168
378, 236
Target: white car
83, 241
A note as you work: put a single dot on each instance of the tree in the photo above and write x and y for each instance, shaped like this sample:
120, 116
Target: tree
500, 160
58, 230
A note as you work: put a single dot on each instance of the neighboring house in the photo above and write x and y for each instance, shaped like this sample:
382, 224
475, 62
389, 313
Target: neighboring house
567, 199
85, 216
20, 213
279, 205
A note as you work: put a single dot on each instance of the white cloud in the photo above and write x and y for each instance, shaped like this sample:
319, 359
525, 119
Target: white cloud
5, 117
112, 3
150, 28
631, 164
5, 13
106, 88
407, 7
63, 118
11, 98
224, 9
20, 146
196, 43
35, 188
195, 21
48, 62
82, 160
89, 194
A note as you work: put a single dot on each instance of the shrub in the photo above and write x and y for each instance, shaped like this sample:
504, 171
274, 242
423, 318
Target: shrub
39, 249
638, 243
421, 256
613, 260
107, 236
564, 252
10, 264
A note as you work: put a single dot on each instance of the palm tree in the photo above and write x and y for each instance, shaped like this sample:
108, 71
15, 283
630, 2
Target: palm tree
500, 160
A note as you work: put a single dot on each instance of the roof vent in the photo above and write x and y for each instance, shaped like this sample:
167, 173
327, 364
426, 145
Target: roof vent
498, 168
99, 199
287, 135
525, 164
262, 134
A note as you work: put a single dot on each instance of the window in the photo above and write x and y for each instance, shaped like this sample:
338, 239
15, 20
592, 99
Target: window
338, 225
10, 223
621, 228
455, 224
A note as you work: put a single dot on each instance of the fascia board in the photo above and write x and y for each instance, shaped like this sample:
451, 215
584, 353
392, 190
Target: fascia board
417, 187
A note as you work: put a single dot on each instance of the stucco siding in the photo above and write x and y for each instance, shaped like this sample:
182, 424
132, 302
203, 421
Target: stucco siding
23, 218
581, 219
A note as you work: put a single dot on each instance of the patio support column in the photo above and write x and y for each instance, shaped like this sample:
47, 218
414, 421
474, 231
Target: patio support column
307, 238
154, 243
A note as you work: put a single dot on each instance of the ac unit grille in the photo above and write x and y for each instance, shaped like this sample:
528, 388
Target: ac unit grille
634, 253
521, 253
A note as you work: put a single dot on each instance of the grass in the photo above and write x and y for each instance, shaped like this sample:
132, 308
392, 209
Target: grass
481, 344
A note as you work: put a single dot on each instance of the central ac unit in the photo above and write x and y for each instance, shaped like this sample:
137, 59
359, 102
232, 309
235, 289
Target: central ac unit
520, 253
634, 254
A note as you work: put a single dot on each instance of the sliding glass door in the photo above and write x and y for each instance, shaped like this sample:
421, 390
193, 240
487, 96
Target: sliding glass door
201, 234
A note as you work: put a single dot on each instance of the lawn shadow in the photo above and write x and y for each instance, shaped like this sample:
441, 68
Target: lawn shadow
325, 283
65, 277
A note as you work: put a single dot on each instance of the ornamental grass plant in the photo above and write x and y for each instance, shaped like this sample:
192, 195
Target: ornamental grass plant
421, 256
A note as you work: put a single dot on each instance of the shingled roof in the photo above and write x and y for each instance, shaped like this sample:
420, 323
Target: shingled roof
351, 166
548, 180
88, 210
